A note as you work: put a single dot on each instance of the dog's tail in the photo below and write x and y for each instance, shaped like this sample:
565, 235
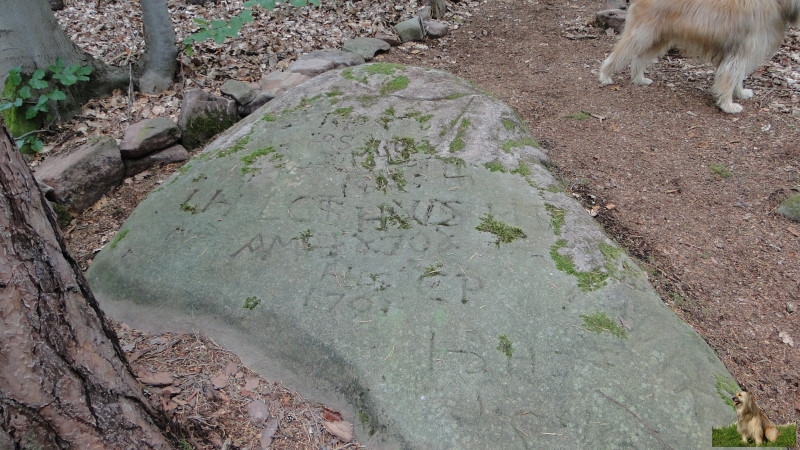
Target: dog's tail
771, 433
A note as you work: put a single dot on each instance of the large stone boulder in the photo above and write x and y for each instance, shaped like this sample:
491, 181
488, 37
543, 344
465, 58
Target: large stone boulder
390, 237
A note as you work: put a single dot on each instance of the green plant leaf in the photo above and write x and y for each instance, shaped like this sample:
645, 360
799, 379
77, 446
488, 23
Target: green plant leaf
14, 78
57, 95
25, 92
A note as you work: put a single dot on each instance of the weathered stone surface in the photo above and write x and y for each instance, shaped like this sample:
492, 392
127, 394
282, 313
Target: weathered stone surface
203, 116
239, 91
435, 29
174, 154
339, 58
311, 67
260, 100
148, 136
391, 233
276, 83
390, 39
410, 30
80, 178
612, 18
367, 48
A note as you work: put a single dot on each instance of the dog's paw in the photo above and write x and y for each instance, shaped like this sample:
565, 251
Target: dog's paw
642, 81
731, 108
744, 93
606, 80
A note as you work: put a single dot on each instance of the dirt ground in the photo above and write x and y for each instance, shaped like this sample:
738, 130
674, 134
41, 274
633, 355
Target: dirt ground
687, 190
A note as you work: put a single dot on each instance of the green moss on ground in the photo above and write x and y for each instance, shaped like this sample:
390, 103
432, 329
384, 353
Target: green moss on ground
503, 232
729, 437
587, 281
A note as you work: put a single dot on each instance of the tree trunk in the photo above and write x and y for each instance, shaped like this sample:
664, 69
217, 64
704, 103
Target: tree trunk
31, 37
159, 64
64, 382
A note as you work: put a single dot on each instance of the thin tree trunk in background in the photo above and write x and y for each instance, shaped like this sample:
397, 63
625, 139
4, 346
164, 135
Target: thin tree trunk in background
159, 63
64, 382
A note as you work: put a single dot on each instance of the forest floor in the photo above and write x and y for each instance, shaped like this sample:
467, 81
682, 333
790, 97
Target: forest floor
689, 191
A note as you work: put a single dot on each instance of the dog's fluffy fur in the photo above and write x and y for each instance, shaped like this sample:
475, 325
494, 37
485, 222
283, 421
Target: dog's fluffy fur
734, 35
752, 423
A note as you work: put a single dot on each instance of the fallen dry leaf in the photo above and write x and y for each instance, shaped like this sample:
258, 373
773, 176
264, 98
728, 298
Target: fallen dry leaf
331, 415
220, 380
786, 338
156, 379
342, 429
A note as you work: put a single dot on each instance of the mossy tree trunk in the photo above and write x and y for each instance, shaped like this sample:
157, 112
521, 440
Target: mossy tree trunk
64, 382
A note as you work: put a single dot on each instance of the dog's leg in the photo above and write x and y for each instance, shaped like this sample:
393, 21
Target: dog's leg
728, 79
741, 92
618, 59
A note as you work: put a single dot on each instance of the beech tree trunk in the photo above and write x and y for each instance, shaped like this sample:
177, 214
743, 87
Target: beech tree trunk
159, 64
31, 37
64, 381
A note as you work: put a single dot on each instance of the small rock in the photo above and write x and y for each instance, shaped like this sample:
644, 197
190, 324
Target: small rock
311, 67
435, 29
204, 115
174, 154
276, 83
410, 30
790, 307
148, 136
367, 48
339, 58
790, 208
390, 39
261, 99
239, 91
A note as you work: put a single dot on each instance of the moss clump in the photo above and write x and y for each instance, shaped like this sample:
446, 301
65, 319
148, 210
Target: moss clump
458, 142
526, 142
269, 117
495, 166
236, 147
522, 169
587, 281
390, 217
720, 170
454, 160
505, 346
508, 124
63, 216
557, 217
202, 128
250, 303
250, 159
188, 207
456, 95
120, 236
395, 84
344, 112
599, 322
505, 233
305, 239
433, 270
790, 208
382, 68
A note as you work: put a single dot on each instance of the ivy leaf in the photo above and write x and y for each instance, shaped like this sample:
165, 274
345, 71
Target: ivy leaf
14, 78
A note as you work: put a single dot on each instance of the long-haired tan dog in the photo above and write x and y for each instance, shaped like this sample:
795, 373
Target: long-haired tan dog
752, 423
734, 35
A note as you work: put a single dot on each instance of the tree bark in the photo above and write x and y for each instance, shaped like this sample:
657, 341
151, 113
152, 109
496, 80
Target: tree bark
64, 381
159, 64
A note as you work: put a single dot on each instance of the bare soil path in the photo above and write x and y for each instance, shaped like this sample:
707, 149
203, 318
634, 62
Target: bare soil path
687, 189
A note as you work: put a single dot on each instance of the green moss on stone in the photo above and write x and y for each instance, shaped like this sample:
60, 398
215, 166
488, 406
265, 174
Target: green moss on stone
250, 303
203, 127
63, 216
726, 388
250, 159
790, 208
395, 84
557, 217
505, 346
120, 236
507, 146
237, 146
599, 322
503, 232
587, 281
495, 166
